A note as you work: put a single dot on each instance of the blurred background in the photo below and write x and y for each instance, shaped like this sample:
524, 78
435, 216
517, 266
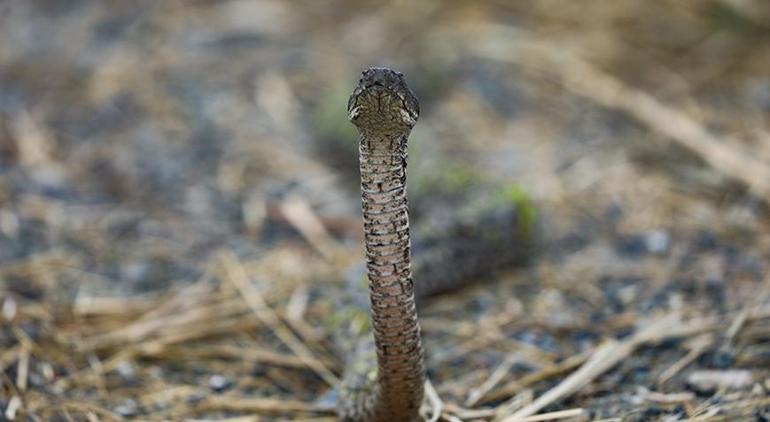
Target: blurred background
154, 153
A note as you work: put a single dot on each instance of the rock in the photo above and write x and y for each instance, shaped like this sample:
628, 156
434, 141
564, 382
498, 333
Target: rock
657, 241
127, 409
219, 383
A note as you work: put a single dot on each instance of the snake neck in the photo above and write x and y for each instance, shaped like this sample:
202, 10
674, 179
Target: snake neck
400, 373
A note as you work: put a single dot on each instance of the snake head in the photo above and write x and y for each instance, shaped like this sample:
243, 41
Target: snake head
383, 103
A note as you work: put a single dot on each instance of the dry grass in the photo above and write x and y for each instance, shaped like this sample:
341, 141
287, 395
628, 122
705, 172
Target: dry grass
178, 205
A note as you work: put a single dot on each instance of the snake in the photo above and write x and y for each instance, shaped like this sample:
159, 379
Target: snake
385, 369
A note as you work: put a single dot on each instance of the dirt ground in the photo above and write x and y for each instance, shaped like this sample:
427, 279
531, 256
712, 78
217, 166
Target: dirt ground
179, 202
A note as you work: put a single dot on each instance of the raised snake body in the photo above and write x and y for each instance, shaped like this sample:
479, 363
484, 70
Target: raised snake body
385, 372
384, 110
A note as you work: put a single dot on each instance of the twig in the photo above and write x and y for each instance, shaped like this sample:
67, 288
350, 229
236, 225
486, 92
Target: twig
436, 404
609, 354
144, 328
251, 354
501, 371
260, 405
462, 413
559, 414
236, 274
515, 403
23, 369
515, 386
299, 214
707, 379
698, 345
92, 409
736, 325
101, 306
667, 398
13, 406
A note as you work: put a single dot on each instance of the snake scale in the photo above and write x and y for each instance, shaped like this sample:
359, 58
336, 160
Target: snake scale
385, 371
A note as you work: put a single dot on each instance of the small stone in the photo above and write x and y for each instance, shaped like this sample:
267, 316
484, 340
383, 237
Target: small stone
9, 309
46, 371
35, 380
126, 370
219, 383
657, 241
127, 409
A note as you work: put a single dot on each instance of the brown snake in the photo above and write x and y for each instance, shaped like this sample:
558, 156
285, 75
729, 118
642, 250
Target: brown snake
385, 372
384, 110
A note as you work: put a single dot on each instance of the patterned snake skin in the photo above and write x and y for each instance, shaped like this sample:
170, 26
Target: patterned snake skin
385, 371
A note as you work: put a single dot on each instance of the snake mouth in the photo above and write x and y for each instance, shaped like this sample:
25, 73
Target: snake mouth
377, 91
